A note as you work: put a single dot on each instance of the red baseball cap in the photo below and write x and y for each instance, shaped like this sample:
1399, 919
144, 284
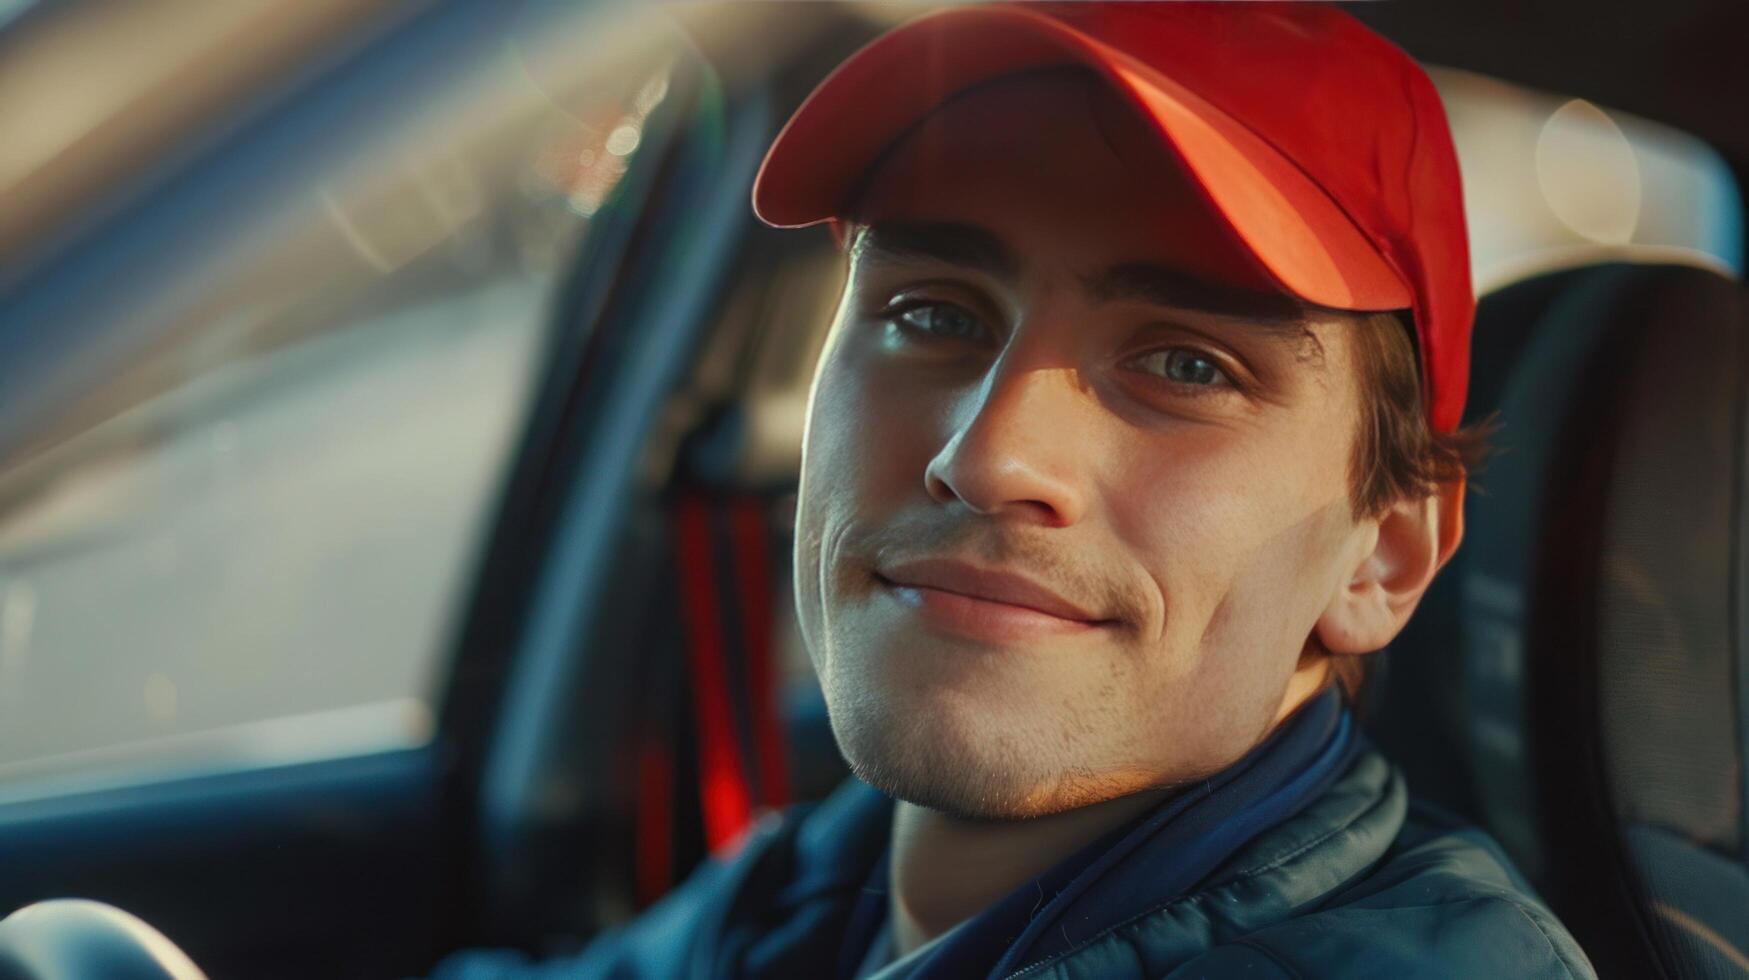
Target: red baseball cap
1322, 147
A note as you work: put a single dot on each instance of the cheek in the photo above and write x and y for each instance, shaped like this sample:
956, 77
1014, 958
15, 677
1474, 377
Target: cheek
1241, 538
862, 458
1241, 534
872, 430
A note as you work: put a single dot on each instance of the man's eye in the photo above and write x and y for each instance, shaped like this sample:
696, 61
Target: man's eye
1184, 366
943, 320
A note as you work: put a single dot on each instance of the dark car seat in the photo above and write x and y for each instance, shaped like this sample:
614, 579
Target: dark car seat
1576, 681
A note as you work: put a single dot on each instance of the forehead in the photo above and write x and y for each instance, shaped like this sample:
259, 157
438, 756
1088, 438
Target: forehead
1058, 166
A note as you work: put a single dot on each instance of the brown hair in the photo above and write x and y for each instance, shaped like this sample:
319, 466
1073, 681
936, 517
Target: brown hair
1397, 455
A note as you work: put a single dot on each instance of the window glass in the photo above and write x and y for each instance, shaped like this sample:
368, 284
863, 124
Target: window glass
248, 539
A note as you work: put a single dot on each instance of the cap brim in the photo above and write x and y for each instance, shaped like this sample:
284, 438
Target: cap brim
1297, 233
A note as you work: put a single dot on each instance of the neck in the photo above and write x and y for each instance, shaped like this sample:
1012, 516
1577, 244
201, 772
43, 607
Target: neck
946, 869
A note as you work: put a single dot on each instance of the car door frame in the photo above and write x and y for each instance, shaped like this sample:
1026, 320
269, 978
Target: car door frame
372, 864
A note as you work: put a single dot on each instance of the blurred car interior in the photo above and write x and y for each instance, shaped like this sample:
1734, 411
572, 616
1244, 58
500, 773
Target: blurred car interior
400, 416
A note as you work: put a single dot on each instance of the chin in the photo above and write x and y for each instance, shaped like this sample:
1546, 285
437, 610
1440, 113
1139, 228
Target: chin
966, 761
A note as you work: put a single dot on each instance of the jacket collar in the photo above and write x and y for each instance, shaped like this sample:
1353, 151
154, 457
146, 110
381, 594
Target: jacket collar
1333, 841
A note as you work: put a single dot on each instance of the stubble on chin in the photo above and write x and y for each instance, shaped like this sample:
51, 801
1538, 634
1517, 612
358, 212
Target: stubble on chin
933, 758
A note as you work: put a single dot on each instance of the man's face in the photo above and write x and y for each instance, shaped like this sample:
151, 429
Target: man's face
1022, 381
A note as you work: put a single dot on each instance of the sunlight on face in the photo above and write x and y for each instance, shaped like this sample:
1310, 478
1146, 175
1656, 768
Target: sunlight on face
1036, 370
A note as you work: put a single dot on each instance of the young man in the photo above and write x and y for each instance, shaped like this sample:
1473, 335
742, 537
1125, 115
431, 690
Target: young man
1135, 432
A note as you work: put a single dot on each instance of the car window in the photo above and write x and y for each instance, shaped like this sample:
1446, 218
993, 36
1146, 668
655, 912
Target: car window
245, 536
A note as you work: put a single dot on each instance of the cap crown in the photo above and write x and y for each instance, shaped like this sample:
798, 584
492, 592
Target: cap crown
1324, 147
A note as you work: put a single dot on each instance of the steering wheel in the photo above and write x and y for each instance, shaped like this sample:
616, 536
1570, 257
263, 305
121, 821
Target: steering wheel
77, 939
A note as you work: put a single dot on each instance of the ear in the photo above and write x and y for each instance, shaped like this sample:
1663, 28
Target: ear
1409, 543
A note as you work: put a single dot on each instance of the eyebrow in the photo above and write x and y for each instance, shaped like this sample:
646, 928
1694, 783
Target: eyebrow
951, 243
1166, 286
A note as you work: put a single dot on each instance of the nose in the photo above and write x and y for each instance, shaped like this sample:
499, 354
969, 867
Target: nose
1017, 446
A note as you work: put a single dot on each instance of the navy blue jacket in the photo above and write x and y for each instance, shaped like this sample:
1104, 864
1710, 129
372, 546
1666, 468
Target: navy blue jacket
1302, 860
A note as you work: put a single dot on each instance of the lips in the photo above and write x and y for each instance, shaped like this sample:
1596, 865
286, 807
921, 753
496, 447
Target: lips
988, 585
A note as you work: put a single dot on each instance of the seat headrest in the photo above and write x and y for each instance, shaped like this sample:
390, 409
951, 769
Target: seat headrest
1594, 621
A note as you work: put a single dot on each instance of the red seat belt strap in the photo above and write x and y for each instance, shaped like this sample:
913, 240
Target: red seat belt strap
723, 789
748, 533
